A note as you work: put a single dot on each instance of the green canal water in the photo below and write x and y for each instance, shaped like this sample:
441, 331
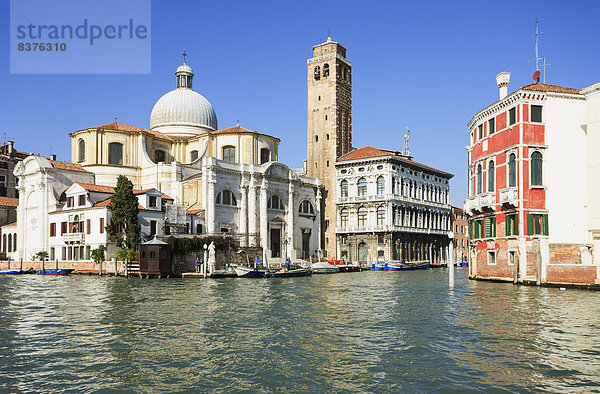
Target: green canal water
370, 331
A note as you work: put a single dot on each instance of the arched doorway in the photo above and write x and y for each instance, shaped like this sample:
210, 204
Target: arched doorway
362, 252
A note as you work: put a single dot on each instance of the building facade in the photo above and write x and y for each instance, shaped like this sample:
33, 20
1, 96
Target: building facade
389, 207
459, 223
221, 181
329, 126
531, 165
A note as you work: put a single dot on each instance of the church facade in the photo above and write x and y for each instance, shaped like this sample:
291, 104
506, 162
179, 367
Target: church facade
227, 181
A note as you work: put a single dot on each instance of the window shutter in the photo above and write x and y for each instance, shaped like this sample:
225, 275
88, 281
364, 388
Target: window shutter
508, 225
470, 230
476, 229
529, 224
545, 225
488, 227
494, 227
515, 220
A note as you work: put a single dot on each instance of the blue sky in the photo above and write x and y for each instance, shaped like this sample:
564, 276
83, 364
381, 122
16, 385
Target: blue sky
427, 65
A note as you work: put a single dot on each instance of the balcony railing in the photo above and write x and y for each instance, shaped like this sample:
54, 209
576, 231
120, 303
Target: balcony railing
389, 228
509, 195
391, 197
73, 237
480, 202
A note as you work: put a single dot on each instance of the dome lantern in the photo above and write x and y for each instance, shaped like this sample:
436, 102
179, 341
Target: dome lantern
184, 76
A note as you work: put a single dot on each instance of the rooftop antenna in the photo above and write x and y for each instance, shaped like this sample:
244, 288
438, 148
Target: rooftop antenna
406, 140
185, 55
544, 65
328, 35
537, 53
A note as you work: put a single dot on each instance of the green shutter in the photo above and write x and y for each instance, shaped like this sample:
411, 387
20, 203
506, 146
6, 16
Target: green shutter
476, 229
508, 225
488, 227
470, 230
545, 224
516, 223
529, 224
494, 227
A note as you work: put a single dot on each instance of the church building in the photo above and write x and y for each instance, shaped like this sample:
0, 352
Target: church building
229, 178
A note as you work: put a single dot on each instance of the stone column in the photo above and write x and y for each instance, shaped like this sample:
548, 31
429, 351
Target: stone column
263, 218
290, 221
210, 204
243, 218
252, 211
317, 224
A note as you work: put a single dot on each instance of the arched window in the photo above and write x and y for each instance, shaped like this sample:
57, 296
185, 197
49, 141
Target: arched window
345, 76
226, 197
344, 188
14, 242
491, 177
362, 187
380, 185
479, 179
81, 144
362, 217
4, 243
536, 168
265, 155
306, 208
194, 155
275, 203
115, 153
325, 70
159, 156
317, 73
512, 170
344, 218
380, 215
10, 242
229, 153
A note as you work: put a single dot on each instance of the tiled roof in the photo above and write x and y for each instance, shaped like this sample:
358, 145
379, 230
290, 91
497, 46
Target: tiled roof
370, 152
104, 203
165, 197
63, 165
127, 128
542, 87
97, 188
239, 129
9, 202
194, 211
9, 224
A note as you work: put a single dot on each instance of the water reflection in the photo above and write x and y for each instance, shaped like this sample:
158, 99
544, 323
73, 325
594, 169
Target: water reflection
370, 331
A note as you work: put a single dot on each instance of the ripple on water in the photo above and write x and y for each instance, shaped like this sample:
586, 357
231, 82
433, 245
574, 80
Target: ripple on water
370, 331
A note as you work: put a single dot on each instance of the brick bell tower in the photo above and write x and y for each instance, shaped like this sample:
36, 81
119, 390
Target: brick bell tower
329, 127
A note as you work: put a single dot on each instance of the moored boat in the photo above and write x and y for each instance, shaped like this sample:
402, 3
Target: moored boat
60, 271
379, 266
323, 267
292, 273
406, 265
250, 272
10, 272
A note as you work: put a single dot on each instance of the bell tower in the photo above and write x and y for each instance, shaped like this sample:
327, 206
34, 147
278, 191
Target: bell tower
329, 126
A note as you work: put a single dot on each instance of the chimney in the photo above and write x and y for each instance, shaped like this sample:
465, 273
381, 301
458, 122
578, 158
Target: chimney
11, 147
53, 157
502, 80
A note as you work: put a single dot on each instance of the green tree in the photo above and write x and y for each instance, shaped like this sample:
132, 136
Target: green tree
98, 254
41, 256
123, 228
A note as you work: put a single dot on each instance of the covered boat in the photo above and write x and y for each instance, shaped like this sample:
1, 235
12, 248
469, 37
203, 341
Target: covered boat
323, 267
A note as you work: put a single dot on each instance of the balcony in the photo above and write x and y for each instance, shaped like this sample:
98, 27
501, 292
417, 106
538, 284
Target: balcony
509, 195
480, 202
73, 237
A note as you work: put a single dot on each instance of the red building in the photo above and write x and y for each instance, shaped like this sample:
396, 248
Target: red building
529, 175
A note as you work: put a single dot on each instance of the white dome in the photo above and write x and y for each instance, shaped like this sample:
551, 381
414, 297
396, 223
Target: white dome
183, 112
181, 109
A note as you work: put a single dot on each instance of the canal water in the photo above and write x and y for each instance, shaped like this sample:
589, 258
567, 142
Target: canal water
370, 331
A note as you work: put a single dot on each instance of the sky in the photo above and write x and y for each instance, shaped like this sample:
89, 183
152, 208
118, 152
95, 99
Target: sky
427, 65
